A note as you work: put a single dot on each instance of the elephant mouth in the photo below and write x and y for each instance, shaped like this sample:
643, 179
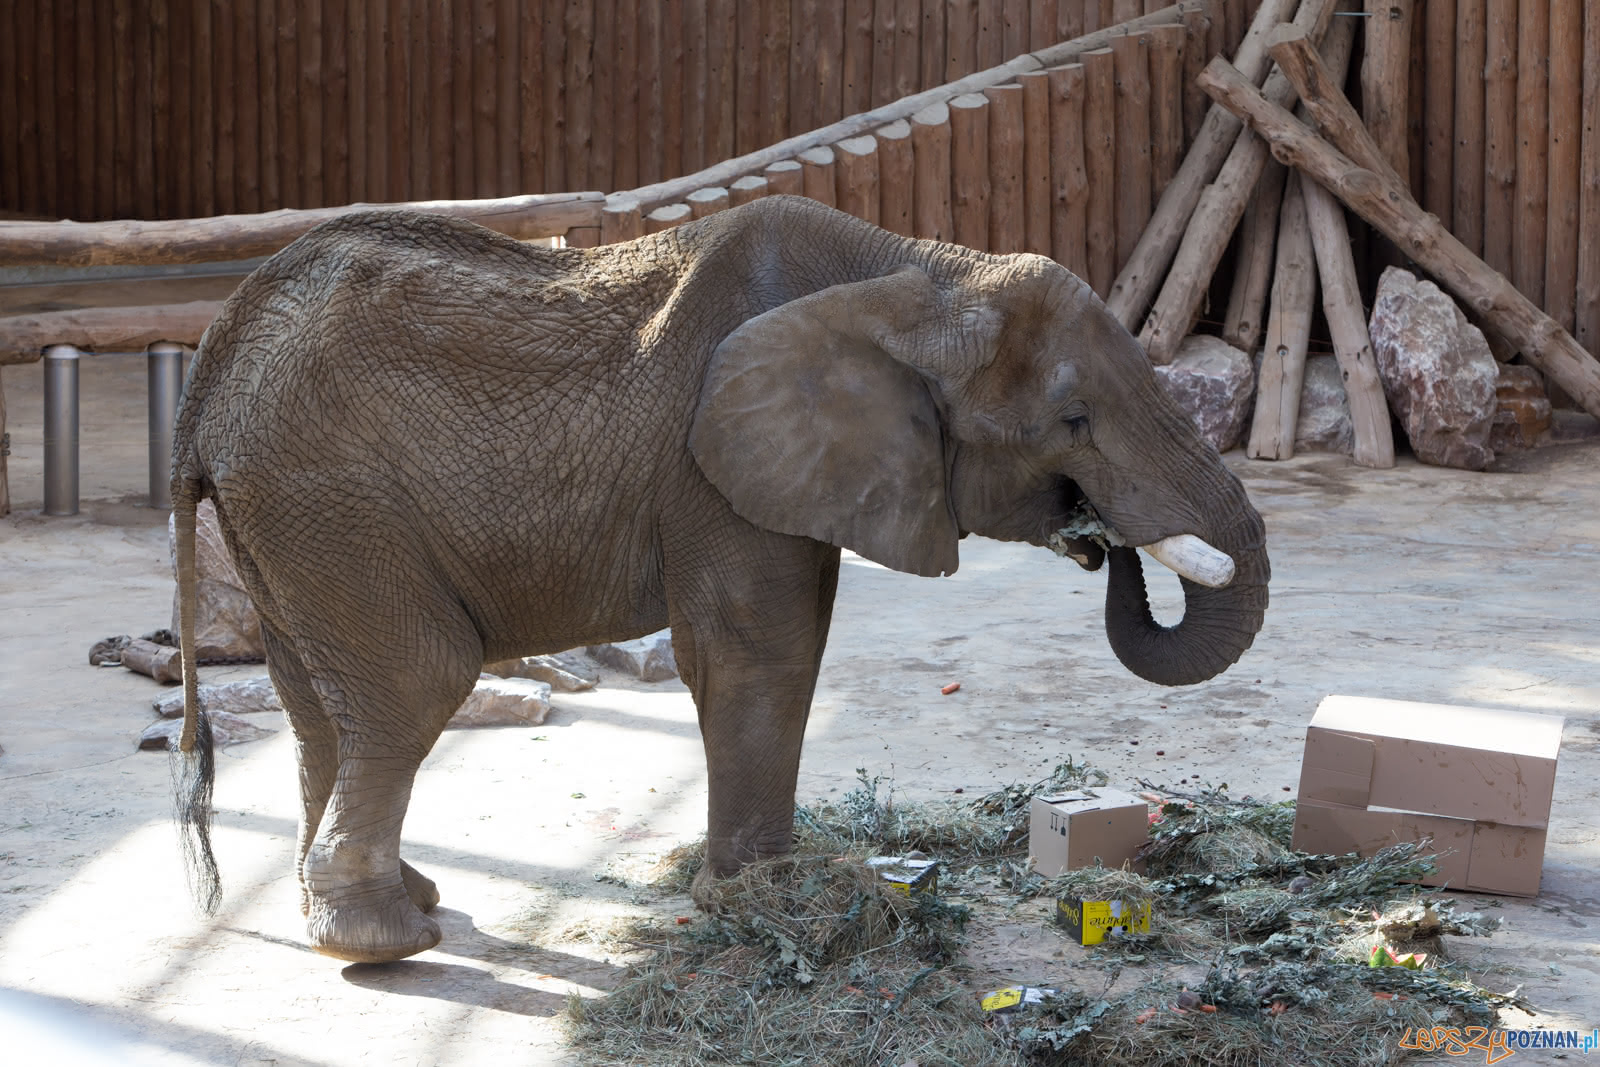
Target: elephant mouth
1086, 537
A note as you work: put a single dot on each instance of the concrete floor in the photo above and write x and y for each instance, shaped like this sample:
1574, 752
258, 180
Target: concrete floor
1414, 583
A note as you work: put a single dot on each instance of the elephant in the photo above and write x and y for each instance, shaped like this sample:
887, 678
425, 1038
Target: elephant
431, 446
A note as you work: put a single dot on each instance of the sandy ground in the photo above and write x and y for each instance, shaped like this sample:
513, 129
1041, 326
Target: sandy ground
1414, 583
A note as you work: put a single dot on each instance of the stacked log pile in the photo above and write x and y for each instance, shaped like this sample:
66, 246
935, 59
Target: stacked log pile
1503, 160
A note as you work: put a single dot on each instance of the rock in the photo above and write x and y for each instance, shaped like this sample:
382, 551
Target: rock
1437, 371
226, 729
648, 659
563, 673
504, 702
161, 662
1522, 411
1324, 424
250, 697
1213, 382
226, 626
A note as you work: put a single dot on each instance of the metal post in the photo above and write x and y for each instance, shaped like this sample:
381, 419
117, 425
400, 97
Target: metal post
165, 362
61, 430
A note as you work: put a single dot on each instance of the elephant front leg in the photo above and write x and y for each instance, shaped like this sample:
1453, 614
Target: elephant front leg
360, 905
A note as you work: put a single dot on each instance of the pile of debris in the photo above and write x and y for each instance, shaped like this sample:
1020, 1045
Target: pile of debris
1255, 953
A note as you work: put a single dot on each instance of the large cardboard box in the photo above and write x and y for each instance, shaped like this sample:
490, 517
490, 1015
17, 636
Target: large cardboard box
1070, 830
1477, 781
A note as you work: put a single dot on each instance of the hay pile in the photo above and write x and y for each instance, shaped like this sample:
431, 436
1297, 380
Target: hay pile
805, 959
813, 958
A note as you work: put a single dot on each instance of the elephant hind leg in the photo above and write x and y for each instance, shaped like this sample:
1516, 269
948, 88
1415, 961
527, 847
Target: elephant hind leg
316, 742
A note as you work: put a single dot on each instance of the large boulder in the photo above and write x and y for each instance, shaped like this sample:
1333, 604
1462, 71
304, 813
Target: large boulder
504, 702
1213, 382
1522, 409
1324, 424
1437, 371
249, 697
563, 673
226, 729
226, 627
648, 659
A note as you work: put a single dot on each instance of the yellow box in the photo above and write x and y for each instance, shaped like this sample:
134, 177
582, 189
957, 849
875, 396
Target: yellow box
907, 876
1090, 921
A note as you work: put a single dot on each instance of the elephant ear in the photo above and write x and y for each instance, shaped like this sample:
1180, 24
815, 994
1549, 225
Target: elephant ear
808, 426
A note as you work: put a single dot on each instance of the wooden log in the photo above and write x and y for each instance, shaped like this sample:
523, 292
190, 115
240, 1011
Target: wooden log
855, 176
907, 49
1416, 104
1042, 26
990, 38
828, 70
574, 30
627, 70
1131, 61
1283, 361
620, 220
932, 211
785, 177
1123, 10
247, 84
1069, 20
485, 143
231, 237
652, 42
1439, 103
1252, 273
1467, 161
666, 217
23, 338
553, 135
583, 237
1533, 146
969, 169
932, 60
881, 89
961, 28
854, 125
1388, 206
897, 171
1141, 276
1014, 32
750, 187
1007, 218
703, 202
1069, 179
1234, 20
1566, 134
1500, 134
803, 72
5, 441
696, 74
1385, 78
1587, 311
1036, 160
857, 57
776, 42
603, 101
1196, 26
749, 83
1166, 106
1322, 97
1347, 323
816, 179
721, 46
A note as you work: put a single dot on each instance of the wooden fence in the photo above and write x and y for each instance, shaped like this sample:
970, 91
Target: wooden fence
161, 109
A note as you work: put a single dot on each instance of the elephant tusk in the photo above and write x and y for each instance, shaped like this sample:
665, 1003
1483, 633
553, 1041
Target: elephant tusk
1193, 559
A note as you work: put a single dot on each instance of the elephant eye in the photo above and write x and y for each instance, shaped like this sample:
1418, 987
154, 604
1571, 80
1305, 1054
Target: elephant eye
1078, 424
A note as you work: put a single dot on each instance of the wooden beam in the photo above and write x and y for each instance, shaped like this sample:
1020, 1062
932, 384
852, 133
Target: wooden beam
1007, 206
1533, 164
933, 215
1388, 206
1036, 158
1467, 165
897, 176
620, 220
23, 338
1253, 255
1386, 78
234, 237
1588, 306
1566, 133
856, 176
1069, 181
750, 187
1283, 363
969, 169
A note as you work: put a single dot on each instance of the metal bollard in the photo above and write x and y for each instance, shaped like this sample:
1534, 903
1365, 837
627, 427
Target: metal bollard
61, 430
165, 362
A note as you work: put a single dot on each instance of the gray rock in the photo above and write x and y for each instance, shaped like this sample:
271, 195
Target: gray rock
1437, 371
504, 702
1324, 424
248, 697
563, 673
226, 626
226, 729
1213, 382
648, 659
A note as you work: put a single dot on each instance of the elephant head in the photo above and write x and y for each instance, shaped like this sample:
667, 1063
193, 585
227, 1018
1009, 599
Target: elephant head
957, 392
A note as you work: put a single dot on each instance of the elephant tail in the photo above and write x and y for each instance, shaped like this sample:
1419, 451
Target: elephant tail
193, 760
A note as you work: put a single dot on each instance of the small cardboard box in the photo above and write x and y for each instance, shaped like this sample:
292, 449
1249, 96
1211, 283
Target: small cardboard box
1070, 830
1089, 922
907, 876
1476, 780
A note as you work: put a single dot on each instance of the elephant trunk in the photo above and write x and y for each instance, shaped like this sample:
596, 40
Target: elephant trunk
1218, 624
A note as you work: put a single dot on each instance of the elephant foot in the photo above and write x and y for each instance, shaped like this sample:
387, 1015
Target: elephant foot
419, 887
371, 933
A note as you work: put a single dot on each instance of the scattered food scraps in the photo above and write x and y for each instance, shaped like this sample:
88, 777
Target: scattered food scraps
951, 688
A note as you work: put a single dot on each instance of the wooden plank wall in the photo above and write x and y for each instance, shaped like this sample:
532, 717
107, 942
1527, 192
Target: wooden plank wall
181, 108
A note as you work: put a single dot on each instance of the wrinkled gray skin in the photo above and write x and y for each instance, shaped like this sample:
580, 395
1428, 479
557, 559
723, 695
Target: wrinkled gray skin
432, 446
